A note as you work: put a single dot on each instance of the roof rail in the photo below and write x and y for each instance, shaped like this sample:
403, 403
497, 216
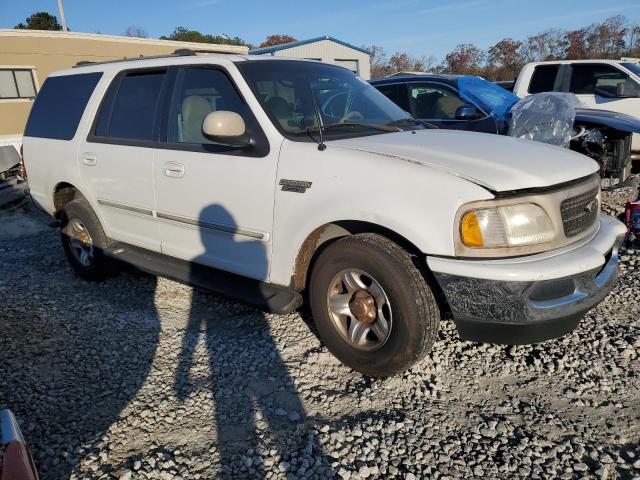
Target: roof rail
180, 52
191, 51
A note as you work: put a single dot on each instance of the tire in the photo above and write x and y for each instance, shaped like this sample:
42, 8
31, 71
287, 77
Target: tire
95, 267
411, 312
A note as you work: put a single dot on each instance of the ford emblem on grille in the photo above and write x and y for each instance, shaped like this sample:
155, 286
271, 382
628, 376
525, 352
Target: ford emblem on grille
591, 207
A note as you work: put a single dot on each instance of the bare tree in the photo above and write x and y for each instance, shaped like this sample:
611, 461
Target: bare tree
466, 59
547, 45
379, 61
504, 59
633, 41
135, 31
607, 39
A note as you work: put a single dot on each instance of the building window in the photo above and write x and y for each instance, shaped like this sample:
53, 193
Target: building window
16, 83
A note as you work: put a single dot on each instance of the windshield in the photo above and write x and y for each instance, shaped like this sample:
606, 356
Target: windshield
634, 67
291, 92
491, 97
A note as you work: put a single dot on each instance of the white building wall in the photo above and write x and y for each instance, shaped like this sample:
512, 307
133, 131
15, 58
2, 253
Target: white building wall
328, 51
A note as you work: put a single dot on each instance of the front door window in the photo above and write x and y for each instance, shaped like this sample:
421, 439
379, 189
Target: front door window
434, 102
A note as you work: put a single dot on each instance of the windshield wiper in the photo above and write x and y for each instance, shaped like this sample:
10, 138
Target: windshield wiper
413, 121
406, 121
373, 126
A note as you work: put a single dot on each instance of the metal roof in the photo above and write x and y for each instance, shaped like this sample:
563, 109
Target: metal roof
285, 46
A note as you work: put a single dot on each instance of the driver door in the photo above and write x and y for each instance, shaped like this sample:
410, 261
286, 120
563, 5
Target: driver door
595, 85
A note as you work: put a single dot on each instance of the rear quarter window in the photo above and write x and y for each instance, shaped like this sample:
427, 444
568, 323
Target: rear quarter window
60, 104
543, 78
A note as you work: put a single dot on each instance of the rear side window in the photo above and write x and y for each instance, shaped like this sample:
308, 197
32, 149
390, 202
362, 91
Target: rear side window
59, 106
543, 78
129, 109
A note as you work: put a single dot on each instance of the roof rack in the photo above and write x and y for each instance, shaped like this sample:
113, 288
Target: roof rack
180, 52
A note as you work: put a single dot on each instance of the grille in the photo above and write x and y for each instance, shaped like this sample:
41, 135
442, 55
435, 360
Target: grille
577, 216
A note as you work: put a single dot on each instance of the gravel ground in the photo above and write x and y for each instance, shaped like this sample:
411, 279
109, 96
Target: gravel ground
144, 378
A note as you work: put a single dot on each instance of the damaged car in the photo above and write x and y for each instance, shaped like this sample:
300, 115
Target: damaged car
465, 102
12, 177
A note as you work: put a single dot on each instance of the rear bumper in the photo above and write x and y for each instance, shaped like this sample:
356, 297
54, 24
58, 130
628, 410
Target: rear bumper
531, 299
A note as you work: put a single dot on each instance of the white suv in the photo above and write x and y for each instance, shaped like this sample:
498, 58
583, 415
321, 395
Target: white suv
264, 178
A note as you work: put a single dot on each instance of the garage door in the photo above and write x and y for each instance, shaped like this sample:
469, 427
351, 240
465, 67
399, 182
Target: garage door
348, 64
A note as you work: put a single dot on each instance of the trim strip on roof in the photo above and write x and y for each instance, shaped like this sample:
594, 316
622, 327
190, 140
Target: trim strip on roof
285, 46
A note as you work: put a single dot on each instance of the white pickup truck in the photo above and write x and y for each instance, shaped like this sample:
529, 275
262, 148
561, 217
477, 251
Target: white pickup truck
612, 85
265, 178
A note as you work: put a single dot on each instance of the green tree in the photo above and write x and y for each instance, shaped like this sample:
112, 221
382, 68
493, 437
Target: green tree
40, 21
183, 34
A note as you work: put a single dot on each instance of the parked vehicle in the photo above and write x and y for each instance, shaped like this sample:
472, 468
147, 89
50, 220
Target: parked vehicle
265, 177
507, 84
15, 458
12, 184
464, 102
612, 85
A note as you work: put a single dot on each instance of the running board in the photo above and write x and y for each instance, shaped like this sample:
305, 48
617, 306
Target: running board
265, 296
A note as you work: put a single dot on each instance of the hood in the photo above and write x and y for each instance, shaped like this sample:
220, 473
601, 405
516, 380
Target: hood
619, 121
492, 161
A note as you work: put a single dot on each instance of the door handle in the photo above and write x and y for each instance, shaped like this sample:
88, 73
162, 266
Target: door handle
89, 159
173, 170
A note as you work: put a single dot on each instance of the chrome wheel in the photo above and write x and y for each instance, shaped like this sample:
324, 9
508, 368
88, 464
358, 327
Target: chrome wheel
80, 242
360, 309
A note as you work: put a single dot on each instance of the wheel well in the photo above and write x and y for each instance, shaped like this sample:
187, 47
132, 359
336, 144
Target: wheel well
323, 236
63, 194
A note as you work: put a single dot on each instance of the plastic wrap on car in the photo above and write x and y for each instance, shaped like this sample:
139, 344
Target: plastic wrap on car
545, 117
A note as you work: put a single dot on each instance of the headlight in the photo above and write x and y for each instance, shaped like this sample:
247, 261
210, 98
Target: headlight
506, 226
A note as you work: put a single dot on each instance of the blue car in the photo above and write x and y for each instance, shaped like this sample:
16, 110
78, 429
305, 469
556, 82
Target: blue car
465, 102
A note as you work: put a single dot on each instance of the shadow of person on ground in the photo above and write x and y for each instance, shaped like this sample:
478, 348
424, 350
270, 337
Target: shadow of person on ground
72, 354
255, 403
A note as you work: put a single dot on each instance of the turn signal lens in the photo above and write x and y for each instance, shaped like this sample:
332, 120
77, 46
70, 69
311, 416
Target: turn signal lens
471, 233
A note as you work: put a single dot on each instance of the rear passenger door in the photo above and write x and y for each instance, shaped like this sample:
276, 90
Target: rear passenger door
214, 202
545, 78
116, 159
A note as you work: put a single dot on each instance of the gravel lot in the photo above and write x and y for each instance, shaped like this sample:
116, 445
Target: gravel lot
144, 378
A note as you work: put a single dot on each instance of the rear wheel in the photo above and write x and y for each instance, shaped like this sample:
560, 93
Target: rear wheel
83, 241
372, 306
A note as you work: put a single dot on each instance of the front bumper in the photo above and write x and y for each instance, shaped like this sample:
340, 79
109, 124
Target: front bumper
530, 299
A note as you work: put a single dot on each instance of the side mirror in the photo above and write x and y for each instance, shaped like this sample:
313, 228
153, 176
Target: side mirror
467, 112
226, 128
626, 90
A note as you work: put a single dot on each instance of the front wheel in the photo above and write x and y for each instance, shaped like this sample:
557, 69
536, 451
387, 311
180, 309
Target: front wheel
372, 306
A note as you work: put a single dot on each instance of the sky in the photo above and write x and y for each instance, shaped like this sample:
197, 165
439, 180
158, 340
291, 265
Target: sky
418, 27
